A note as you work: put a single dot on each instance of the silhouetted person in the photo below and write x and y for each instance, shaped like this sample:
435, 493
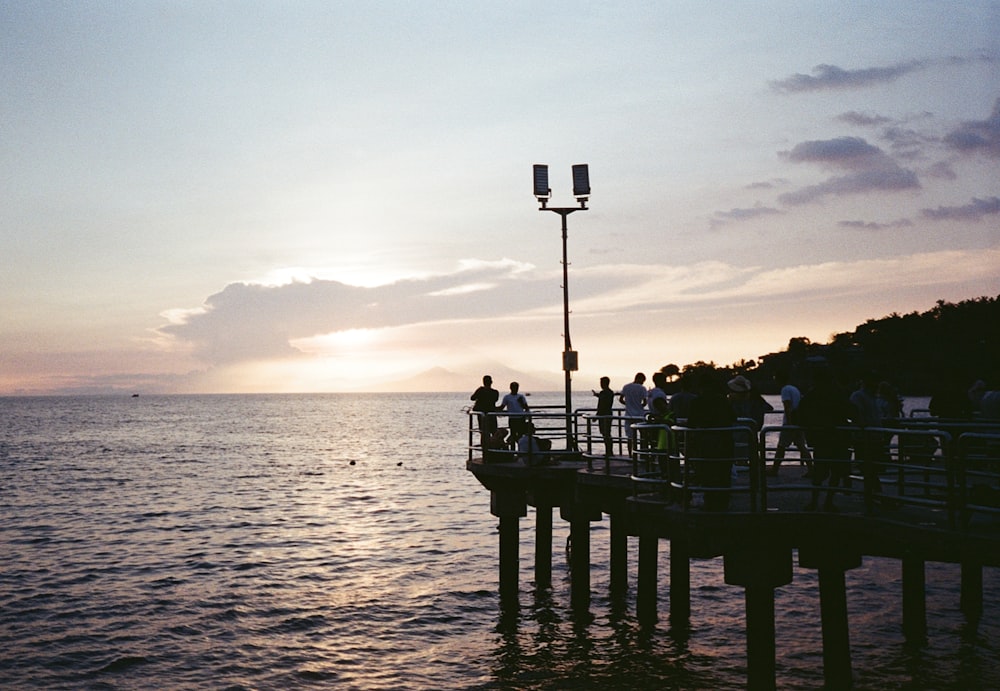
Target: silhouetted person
711, 452
986, 401
532, 450
497, 441
747, 403
658, 405
517, 406
680, 402
485, 402
824, 409
605, 404
890, 408
870, 448
791, 398
950, 401
633, 397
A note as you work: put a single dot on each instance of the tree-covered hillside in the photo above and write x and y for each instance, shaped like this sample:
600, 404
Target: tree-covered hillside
950, 345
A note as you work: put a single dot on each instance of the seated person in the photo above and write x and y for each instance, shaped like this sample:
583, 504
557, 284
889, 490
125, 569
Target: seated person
495, 442
532, 450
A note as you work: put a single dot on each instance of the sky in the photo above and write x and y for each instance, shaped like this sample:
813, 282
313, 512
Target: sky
297, 196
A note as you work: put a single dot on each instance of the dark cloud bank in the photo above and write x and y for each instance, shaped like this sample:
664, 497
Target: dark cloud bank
866, 168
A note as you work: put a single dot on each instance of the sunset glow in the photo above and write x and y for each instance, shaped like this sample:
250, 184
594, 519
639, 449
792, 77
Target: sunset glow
337, 197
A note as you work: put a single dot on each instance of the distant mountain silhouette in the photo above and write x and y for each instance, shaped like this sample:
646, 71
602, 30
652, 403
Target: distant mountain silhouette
441, 379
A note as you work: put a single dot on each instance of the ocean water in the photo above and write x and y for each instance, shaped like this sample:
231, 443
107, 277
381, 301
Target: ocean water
337, 541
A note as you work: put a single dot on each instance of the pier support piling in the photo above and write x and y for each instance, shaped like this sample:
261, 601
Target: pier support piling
971, 597
761, 646
619, 555
831, 564
645, 601
579, 516
580, 562
914, 600
759, 568
543, 546
680, 584
508, 507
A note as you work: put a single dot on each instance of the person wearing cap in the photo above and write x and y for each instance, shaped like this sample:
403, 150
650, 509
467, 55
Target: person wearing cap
746, 403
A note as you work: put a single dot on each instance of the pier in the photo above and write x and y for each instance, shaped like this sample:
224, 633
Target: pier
920, 490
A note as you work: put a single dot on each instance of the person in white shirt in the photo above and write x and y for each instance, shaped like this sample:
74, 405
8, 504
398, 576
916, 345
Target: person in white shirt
517, 406
790, 399
633, 397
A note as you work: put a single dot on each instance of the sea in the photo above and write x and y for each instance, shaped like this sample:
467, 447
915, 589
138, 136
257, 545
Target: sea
337, 541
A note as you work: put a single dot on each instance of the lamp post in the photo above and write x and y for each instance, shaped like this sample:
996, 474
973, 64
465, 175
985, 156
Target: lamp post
581, 190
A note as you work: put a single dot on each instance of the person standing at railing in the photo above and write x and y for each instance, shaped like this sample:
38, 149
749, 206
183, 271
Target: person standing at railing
658, 394
711, 452
791, 398
680, 402
823, 411
605, 404
633, 397
659, 410
485, 403
871, 449
890, 408
747, 403
517, 406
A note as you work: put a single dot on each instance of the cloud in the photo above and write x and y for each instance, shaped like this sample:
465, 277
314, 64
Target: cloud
848, 152
862, 120
942, 170
767, 184
973, 211
248, 321
723, 217
870, 225
978, 136
858, 183
905, 142
871, 169
716, 282
832, 77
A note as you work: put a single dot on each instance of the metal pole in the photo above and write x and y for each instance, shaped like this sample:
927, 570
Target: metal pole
567, 344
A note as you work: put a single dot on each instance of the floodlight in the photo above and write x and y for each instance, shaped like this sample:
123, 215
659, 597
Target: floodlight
542, 190
581, 190
581, 181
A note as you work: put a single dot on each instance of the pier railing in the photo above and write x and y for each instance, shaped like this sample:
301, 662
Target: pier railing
954, 474
698, 467
947, 469
548, 430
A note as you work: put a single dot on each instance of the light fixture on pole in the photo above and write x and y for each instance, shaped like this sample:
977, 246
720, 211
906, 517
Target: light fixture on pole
581, 190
